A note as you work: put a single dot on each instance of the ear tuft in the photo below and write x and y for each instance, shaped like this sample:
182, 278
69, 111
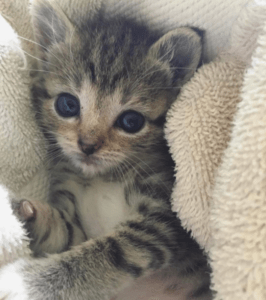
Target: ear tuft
181, 50
50, 24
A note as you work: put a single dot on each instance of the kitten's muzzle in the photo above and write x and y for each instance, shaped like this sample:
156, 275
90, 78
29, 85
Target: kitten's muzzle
89, 149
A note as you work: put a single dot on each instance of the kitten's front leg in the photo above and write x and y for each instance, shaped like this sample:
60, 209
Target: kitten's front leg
98, 269
43, 224
50, 229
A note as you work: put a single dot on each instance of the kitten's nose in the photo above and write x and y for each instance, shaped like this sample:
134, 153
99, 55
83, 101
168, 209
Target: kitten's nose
88, 149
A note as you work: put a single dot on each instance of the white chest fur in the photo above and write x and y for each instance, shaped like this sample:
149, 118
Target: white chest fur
100, 206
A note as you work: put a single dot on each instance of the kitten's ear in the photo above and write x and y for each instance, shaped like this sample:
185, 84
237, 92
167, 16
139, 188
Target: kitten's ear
50, 24
181, 51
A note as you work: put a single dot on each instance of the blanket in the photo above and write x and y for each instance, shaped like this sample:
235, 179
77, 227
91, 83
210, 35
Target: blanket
215, 130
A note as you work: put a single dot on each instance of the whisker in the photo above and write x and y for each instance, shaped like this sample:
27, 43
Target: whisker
38, 44
44, 71
30, 55
70, 44
144, 169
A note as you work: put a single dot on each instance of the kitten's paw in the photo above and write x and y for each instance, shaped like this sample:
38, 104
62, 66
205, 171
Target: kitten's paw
26, 212
46, 226
12, 286
37, 218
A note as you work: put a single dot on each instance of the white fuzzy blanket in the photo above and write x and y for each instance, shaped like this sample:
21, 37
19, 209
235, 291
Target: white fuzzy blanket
216, 131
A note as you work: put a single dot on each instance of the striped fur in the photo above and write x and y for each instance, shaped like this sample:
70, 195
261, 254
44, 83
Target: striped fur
109, 215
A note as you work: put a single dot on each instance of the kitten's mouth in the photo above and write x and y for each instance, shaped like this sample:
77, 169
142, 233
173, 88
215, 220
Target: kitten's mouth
90, 165
89, 160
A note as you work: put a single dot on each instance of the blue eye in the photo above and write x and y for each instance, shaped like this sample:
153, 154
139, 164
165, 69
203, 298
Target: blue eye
67, 105
130, 121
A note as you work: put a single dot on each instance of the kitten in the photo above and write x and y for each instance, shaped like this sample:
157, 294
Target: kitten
101, 99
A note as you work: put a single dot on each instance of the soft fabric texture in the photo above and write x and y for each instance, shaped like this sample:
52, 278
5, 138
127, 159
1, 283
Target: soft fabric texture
216, 132
21, 147
238, 207
198, 131
13, 241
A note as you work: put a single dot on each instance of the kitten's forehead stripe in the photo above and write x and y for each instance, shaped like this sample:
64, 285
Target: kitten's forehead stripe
116, 50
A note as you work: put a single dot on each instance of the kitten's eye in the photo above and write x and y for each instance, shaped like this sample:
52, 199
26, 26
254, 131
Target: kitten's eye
67, 105
130, 121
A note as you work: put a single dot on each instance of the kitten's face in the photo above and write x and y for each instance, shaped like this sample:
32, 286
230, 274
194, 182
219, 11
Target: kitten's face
112, 126
107, 89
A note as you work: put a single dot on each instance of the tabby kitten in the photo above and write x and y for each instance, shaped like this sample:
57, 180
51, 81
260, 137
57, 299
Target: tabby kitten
101, 99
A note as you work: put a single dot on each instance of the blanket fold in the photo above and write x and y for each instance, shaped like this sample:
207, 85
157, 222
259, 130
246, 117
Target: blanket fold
198, 131
238, 210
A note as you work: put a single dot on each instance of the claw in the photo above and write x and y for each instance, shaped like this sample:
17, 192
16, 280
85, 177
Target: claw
27, 210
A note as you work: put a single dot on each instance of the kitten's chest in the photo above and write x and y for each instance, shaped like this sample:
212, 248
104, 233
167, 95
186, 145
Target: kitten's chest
100, 206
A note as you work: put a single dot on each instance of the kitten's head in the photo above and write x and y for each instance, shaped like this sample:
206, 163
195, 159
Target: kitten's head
105, 86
